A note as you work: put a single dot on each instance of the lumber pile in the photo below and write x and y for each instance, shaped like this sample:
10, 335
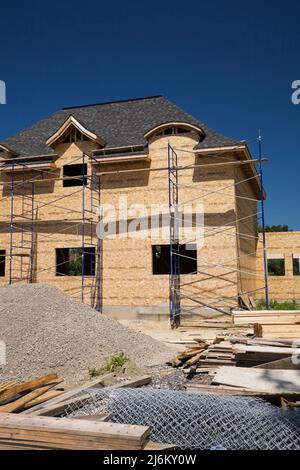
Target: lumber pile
190, 355
40, 432
281, 331
266, 317
247, 366
17, 397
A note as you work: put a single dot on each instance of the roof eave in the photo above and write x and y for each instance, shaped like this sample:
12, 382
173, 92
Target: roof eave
235, 148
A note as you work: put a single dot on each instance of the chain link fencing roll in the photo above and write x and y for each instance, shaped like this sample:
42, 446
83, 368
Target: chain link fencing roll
194, 421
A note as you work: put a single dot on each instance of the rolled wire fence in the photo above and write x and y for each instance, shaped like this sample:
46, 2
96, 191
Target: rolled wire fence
194, 421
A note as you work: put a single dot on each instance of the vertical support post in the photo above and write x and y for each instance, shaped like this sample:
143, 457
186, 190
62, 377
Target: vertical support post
32, 246
12, 189
83, 229
263, 222
99, 254
174, 282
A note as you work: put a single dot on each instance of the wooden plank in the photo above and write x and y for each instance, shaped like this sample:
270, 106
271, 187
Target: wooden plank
23, 387
286, 364
70, 433
279, 331
265, 349
274, 398
7, 385
42, 398
261, 342
58, 405
20, 402
56, 409
261, 316
193, 360
272, 381
96, 417
134, 383
150, 445
71, 393
289, 404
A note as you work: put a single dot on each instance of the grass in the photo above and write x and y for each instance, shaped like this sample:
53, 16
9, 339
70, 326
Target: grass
277, 305
112, 364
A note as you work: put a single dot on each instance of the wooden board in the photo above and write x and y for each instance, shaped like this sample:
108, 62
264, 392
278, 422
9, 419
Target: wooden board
265, 349
271, 381
58, 405
42, 398
71, 393
7, 385
70, 433
279, 331
23, 387
20, 402
265, 316
205, 389
286, 364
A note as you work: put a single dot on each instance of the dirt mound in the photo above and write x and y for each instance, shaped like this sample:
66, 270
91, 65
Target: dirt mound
46, 330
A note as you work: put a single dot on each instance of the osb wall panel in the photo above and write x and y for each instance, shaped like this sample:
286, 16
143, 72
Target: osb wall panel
286, 243
247, 239
127, 263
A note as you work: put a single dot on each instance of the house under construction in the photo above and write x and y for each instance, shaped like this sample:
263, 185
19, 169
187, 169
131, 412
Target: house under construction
58, 176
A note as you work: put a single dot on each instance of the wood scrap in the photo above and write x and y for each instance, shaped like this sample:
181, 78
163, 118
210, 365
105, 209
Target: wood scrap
70, 394
43, 398
25, 399
77, 398
190, 355
289, 404
27, 386
7, 385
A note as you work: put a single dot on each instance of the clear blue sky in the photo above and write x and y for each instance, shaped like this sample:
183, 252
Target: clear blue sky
231, 64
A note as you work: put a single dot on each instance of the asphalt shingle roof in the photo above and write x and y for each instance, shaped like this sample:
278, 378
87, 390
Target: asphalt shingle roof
120, 124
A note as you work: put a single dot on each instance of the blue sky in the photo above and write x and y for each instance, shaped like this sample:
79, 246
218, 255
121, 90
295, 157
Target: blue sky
231, 64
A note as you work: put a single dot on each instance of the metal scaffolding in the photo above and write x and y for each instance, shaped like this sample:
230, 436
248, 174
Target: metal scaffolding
23, 225
22, 243
193, 291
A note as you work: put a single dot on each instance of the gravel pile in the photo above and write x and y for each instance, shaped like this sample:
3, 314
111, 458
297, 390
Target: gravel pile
46, 330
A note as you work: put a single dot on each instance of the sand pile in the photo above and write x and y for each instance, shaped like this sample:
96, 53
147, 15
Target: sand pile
46, 330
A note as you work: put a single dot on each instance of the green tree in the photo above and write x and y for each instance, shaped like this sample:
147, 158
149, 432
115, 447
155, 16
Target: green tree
275, 228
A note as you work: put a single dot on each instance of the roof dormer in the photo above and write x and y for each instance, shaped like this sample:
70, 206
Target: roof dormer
73, 131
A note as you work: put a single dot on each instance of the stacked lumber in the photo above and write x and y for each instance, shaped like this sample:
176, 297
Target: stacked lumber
266, 317
40, 432
217, 355
205, 355
16, 397
282, 331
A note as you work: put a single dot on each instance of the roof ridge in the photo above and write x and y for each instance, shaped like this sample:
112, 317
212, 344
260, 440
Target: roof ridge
142, 98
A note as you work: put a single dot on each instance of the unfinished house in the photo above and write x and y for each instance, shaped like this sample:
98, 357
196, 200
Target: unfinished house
56, 175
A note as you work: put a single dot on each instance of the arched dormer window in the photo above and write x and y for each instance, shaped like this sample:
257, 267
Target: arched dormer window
174, 128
